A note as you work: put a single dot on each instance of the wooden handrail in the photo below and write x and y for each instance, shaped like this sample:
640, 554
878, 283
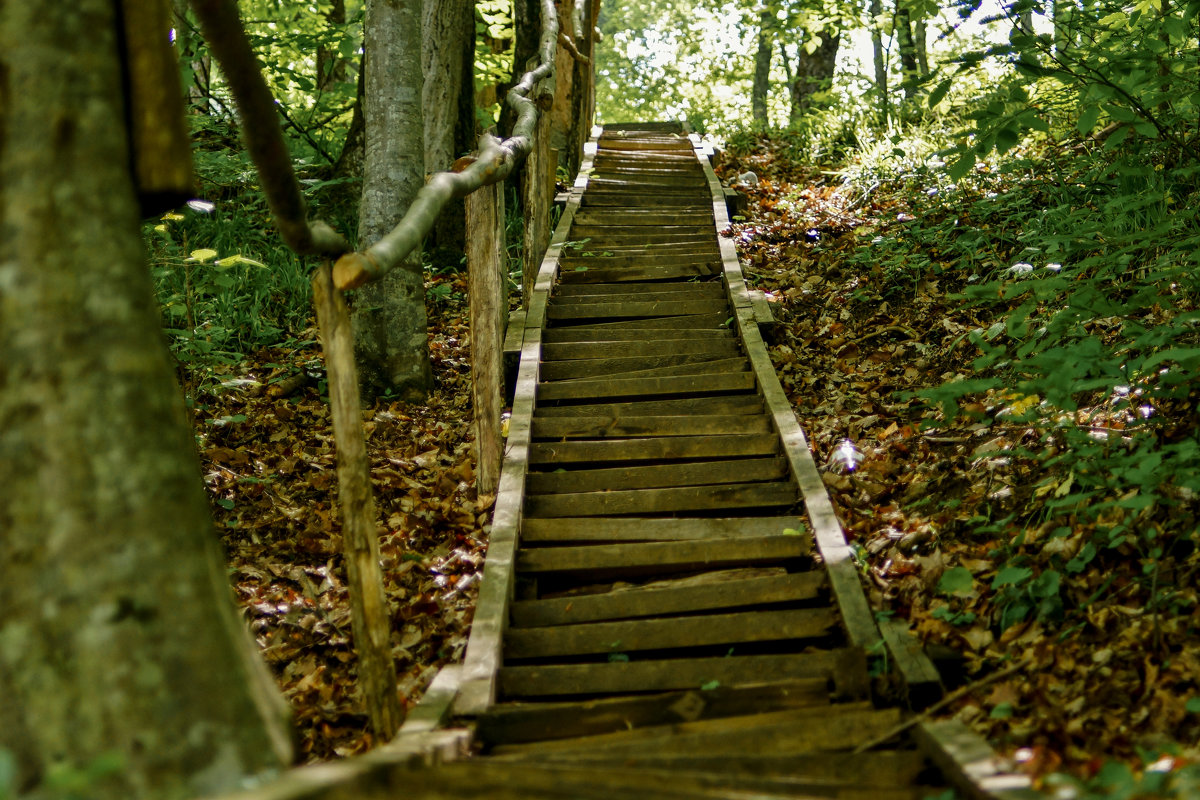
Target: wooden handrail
494, 161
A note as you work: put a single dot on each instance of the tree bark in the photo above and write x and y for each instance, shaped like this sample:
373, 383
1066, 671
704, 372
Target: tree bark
119, 633
448, 56
762, 70
877, 58
370, 619
814, 73
390, 328
909, 67
485, 259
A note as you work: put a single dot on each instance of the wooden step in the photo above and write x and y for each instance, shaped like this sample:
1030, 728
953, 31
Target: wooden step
715, 343
656, 448
670, 556
676, 596
515, 723
654, 476
726, 404
647, 387
608, 427
670, 500
622, 677
595, 530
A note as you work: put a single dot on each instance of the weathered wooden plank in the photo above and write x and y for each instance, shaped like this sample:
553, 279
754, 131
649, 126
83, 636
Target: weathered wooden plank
726, 471
434, 708
856, 614
600, 234
922, 682
616, 255
729, 404
640, 530
515, 723
649, 291
636, 366
678, 384
665, 556
669, 632
654, 448
821, 774
653, 308
809, 729
970, 764
662, 600
638, 217
717, 366
691, 321
608, 427
551, 680
646, 198
670, 500
593, 342
640, 273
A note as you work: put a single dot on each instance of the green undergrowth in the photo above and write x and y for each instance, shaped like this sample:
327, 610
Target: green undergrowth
1067, 273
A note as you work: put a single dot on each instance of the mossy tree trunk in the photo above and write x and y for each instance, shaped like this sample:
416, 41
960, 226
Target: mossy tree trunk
118, 633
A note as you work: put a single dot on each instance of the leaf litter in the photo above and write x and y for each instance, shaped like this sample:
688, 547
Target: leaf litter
269, 461
943, 513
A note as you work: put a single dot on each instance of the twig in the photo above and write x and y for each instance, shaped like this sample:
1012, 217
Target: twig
569, 45
949, 699
304, 132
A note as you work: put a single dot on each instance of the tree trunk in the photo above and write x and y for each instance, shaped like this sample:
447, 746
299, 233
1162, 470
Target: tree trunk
877, 58
390, 328
448, 56
921, 44
909, 67
350, 160
762, 70
119, 633
331, 66
814, 73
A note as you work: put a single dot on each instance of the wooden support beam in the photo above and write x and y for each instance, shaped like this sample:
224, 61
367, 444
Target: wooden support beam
486, 264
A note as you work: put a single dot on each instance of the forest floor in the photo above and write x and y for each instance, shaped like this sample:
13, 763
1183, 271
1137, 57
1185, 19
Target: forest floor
925, 502
940, 510
267, 451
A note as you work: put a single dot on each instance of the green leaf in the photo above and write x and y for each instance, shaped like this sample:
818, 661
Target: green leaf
959, 168
956, 581
1087, 119
939, 92
708, 686
1010, 576
1193, 705
1002, 711
225, 504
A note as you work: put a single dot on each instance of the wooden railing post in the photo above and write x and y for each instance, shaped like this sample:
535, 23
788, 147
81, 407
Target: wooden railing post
536, 198
369, 617
486, 275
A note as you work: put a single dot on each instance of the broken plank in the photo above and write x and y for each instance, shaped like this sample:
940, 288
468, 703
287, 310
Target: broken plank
607, 427
670, 500
654, 448
639, 530
550, 680
663, 600
526, 722
725, 471
970, 764
665, 556
633, 387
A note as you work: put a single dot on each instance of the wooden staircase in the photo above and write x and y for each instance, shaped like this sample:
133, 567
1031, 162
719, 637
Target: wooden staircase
669, 608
